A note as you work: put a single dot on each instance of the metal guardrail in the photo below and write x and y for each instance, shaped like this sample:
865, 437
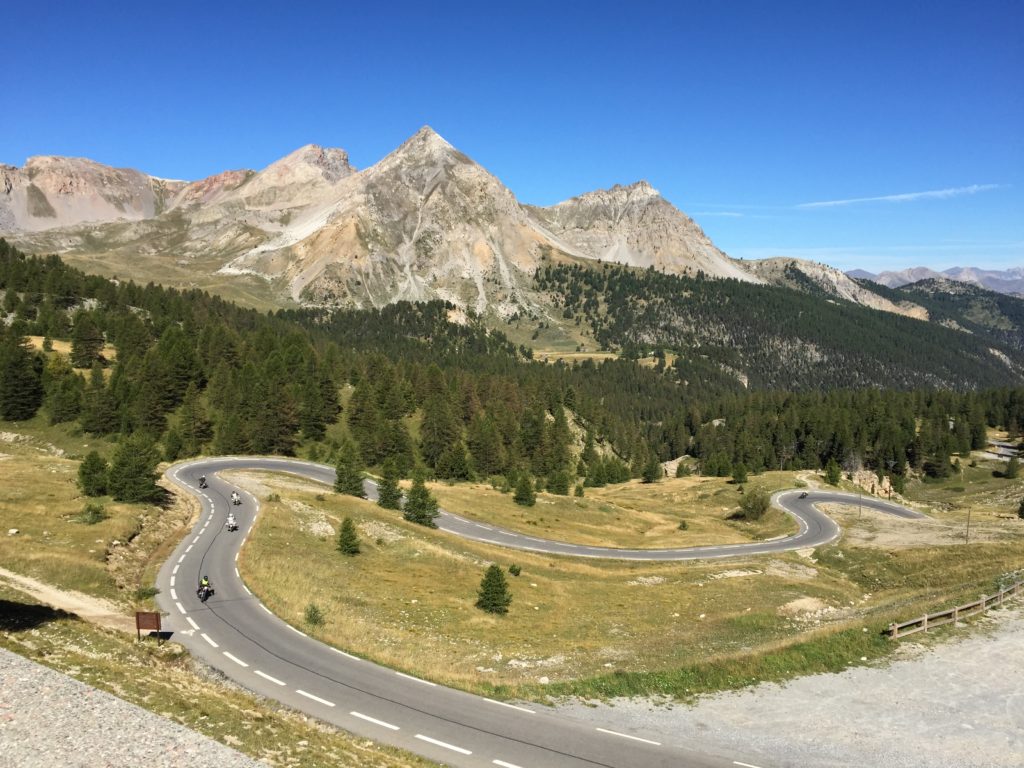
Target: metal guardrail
953, 615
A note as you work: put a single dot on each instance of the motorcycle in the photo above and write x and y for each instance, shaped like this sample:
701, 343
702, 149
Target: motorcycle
204, 593
235, 498
231, 524
202, 482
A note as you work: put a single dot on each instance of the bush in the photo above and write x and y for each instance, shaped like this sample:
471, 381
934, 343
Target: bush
92, 513
683, 469
313, 616
1020, 510
145, 593
525, 494
1012, 468
92, 475
832, 472
514, 569
579, 491
753, 505
683, 525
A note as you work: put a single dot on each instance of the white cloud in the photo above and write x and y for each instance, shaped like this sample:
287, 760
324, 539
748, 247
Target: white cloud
932, 194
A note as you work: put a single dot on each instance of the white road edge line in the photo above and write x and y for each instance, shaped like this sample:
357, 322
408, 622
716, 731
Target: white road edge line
299, 631
503, 764
208, 639
174, 594
181, 608
175, 569
627, 736
349, 655
235, 659
745, 765
314, 698
417, 679
444, 744
510, 706
237, 573
189, 548
247, 589
191, 621
266, 609
181, 559
265, 676
374, 720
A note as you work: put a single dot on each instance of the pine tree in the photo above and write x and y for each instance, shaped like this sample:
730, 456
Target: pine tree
348, 539
86, 341
389, 495
559, 482
420, 505
132, 475
349, 476
172, 445
21, 386
525, 494
92, 474
652, 470
494, 596
453, 463
832, 472
739, 473
99, 408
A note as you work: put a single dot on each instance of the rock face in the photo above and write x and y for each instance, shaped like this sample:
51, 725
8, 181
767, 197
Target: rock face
50, 192
636, 226
1009, 281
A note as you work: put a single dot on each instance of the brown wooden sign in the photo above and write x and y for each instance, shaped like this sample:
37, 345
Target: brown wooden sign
147, 620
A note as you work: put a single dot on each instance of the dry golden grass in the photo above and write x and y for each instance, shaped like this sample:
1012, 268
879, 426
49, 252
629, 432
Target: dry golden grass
109, 351
408, 600
631, 514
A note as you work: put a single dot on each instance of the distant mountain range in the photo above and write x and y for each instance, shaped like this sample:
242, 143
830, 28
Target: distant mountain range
1010, 281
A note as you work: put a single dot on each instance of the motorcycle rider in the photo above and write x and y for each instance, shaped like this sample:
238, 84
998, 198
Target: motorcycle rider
202, 481
231, 523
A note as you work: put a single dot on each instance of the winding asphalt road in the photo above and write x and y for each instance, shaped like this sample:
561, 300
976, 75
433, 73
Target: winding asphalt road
235, 633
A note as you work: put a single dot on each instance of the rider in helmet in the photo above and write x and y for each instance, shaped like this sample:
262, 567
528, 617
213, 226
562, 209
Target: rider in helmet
204, 582
231, 521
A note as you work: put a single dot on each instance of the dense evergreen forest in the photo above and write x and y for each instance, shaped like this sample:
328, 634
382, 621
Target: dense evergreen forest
189, 373
777, 338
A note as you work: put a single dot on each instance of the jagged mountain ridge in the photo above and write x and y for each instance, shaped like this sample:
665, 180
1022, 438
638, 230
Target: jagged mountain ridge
424, 222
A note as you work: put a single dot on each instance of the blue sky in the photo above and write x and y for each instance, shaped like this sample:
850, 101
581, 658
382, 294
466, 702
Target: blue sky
906, 117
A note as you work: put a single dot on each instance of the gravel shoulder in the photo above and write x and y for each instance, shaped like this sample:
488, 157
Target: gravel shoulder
48, 719
959, 702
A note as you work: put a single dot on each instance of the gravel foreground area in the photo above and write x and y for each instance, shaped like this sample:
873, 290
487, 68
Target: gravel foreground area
48, 719
960, 703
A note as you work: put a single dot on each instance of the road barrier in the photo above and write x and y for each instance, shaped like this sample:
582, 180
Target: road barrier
953, 615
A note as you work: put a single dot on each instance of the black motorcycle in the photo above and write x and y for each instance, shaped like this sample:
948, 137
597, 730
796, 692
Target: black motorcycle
202, 482
204, 593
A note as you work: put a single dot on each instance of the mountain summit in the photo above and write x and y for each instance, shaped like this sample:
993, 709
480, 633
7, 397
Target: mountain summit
425, 221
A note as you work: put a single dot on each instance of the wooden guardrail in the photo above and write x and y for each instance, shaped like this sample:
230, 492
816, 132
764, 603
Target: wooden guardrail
953, 615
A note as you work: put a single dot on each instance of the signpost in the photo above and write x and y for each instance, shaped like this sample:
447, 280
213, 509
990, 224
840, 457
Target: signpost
149, 621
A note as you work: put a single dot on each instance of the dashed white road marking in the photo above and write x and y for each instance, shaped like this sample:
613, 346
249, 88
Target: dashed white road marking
444, 744
374, 720
298, 631
172, 580
174, 594
417, 679
247, 589
266, 609
235, 659
175, 569
325, 702
236, 557
189, 547
745, 765
503, 764
510, 706
191, 621
265, 676
627, 736
349, 655
181, 608
237, 573
181, 559
195, 540
208, 639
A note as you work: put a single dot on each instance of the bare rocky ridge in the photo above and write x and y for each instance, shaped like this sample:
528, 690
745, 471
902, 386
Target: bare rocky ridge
1009, 281
809, 275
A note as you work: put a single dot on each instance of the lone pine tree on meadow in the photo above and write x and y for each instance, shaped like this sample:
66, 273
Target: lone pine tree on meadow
494, 596
132, 475
420, 505
348, 539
